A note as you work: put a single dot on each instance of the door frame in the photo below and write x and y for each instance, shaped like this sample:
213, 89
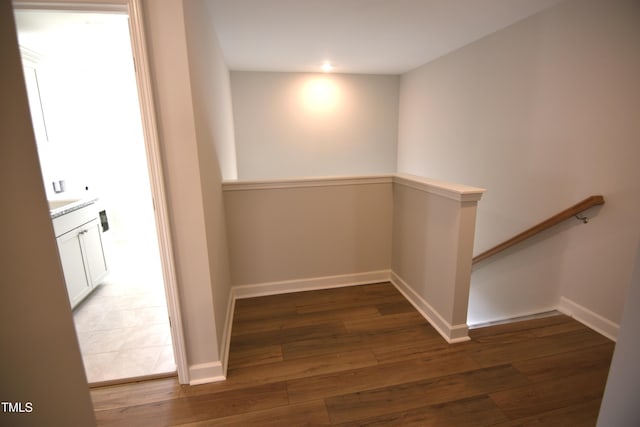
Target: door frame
133, 8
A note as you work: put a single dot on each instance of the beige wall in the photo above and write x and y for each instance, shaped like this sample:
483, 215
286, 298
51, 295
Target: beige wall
542, 114
211, 89
308, 231
292, 125
192, 175
214, 131
40, 356
432, 246
620, 403
292, 235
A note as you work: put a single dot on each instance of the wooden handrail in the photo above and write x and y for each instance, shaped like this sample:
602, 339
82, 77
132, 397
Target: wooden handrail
556, 219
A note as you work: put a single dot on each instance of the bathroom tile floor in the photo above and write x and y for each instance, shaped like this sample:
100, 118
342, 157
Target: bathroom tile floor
123, 326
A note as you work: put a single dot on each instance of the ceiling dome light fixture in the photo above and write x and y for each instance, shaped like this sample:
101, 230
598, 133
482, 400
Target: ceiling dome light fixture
320, 95
327, 67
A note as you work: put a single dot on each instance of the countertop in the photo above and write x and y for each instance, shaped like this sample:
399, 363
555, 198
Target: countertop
73, 206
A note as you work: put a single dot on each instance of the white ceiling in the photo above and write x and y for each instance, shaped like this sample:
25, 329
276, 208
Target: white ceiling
357, 36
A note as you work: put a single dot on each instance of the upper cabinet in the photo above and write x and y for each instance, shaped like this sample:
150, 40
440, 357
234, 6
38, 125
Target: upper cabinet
29, 62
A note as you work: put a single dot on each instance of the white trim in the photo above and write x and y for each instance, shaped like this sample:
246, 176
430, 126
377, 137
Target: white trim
133, 8
203, 373
458, 192
527, 315
589, 318
30, 58
234, 185
226, 335
97, 6
451, 333
287, 286
310, 284
156, 180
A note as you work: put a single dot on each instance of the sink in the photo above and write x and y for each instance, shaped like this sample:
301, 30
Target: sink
57, 204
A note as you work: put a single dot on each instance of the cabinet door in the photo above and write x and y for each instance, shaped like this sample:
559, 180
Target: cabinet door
35, 105
78, 285
94, 252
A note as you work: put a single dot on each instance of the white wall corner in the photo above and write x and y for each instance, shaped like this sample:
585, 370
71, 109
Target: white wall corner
458, 192
310, 284
203, 373
451, 333
216, 371
589, 318
226, 335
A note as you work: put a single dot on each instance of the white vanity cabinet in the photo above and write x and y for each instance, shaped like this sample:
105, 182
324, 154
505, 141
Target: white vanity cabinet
79, 238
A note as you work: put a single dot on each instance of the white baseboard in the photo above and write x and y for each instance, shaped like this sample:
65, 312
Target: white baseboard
217, 371
206, 373
310, 284
535, 314
589, 318
226, 335
451, 333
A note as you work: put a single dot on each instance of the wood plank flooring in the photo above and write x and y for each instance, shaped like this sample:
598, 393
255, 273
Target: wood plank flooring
363, 356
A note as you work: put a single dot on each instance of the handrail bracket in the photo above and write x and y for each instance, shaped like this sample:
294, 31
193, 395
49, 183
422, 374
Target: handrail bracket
584, 219
573, 211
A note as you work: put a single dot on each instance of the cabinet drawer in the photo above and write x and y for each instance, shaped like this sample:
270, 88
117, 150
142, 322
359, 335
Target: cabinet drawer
67, 222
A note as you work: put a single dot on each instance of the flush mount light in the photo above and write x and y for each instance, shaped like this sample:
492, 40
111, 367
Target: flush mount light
320, 95
327, 67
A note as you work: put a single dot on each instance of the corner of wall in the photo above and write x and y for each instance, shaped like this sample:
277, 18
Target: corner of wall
226, 334
451, 333
204, 373
589, 318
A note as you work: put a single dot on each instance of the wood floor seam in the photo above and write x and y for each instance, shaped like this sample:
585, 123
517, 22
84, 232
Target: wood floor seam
364, 356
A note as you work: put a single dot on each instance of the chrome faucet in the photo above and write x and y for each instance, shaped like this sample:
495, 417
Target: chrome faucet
59, 186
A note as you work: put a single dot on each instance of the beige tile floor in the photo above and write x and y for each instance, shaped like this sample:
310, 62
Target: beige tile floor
123, 326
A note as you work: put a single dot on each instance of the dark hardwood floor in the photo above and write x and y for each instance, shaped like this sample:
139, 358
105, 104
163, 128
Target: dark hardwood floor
363, 356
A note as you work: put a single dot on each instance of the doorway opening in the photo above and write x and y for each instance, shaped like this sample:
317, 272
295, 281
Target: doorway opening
91, 146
